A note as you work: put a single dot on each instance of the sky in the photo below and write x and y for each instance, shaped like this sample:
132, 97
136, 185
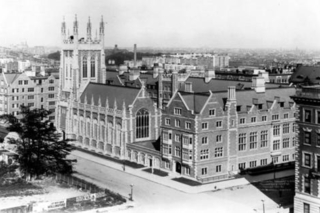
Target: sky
286, 24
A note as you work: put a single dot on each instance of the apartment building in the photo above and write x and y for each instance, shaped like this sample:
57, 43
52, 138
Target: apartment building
18, 88
307, 172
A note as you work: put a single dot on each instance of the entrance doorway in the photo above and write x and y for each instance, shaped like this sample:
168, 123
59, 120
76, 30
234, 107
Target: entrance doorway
150, 162
178, 167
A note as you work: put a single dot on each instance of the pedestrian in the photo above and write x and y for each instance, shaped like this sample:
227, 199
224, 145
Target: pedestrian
124, 167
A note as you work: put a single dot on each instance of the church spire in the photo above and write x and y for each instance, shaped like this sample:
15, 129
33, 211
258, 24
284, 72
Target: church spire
75, 26
63, 29
101, 26
89, 29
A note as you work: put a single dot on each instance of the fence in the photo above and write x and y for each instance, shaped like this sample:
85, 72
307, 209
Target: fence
77, 182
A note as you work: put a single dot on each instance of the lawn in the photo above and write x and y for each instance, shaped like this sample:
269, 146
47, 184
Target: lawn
156, 172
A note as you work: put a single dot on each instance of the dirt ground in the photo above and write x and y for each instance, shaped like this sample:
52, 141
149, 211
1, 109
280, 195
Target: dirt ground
45, 190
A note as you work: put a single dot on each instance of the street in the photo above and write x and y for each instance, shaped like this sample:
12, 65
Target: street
150, 196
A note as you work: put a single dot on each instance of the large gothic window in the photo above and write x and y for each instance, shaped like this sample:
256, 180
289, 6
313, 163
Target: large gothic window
142, 124
93, 67
84, 67
118, 135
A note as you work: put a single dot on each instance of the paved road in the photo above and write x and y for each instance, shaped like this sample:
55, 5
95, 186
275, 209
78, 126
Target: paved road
152, 197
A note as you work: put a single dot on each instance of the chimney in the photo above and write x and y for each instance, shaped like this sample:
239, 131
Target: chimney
135, 55
209, 74
231, 93
258, 84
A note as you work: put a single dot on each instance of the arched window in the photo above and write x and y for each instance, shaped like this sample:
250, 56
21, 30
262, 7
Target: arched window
142, 124
93, 67
88, 129
102, 133
84, 68
95, 131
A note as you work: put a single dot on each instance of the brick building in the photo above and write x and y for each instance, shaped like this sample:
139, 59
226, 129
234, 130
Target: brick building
307, 173
210, 136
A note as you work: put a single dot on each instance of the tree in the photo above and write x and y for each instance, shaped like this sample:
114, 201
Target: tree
40, 148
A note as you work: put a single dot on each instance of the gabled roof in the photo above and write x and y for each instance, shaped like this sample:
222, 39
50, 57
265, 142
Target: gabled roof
195, 101
11, 77
114, 93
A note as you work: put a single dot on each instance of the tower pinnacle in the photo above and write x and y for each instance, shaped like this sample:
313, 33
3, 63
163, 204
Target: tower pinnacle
89, 29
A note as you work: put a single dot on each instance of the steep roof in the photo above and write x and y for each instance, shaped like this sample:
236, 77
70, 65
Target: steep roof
195, 101
306, 73
112, 92
11, 77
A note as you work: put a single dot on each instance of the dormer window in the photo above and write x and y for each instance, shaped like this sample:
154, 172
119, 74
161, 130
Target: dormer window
238, 108
177, 111
212, 112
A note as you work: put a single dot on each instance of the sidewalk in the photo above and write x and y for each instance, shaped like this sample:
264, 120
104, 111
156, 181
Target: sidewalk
167, 180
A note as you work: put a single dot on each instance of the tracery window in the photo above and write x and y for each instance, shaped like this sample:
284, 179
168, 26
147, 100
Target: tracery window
93, 66
84, 68
142, 124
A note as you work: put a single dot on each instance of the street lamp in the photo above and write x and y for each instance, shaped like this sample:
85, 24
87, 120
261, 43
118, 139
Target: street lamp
131, 195
263, 206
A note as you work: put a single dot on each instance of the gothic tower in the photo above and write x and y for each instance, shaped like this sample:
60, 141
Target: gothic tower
82, 60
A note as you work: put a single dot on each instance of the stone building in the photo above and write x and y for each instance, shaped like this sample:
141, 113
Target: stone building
307, 172
18, 88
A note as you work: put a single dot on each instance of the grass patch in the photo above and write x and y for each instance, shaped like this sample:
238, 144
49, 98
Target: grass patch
156, 172
187, 181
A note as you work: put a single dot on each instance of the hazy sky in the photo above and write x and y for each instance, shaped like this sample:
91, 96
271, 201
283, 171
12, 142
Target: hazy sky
168, 23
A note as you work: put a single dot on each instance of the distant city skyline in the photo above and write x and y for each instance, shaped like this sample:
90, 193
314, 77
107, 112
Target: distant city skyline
283, 24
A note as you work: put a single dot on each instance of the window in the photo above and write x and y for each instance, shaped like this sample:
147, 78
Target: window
12, 90
218, 152
142, 124
51, 96
188, 125
219, 123
307, 138
276, 130
170, 149
30, 97
219, 138
318, 140
275, 117
177, 123
275, 159
51, 81
167, 121
177, 151
286, 128
204, 171
204, 125
30, 89
204, 154
285, 143
253, 164
253, 119
242, 165
93, 67
276, 145
307, 183
264, 118
242, 120
212, 112
205, 140
318, 117
263, 162
30, 104
84, 68
20, 82
51, 88
264, 138
242, 141
306, 208
285, 158
218, 168
253, 140
177, 111
51, 103
177, 138
285, 116
307, 115
26, 82
307, 159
